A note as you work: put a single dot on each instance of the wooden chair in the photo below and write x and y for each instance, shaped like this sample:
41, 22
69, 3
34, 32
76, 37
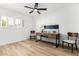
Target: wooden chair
72, 39
32, 34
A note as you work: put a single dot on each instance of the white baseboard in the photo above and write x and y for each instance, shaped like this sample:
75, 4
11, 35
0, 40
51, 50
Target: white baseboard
5, 43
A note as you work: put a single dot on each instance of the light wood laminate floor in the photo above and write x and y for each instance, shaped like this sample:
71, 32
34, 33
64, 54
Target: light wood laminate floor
32, 48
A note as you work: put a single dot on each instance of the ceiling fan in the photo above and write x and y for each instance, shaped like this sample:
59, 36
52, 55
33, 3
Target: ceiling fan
35, 8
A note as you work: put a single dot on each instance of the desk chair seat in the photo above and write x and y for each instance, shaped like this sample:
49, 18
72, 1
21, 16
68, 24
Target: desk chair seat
32, 34
72, 39
69, 41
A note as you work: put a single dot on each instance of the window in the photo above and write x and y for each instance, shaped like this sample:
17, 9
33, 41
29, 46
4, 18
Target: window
10, 21
17, 21
3, 21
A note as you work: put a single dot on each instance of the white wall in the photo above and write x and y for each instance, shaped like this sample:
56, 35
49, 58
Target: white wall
9, 35
67, 16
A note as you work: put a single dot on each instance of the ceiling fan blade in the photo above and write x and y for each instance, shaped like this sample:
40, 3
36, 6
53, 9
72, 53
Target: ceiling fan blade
42, 9
38, 12
28, 7
31, 11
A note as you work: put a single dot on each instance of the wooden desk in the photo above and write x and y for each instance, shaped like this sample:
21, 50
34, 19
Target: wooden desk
50, 35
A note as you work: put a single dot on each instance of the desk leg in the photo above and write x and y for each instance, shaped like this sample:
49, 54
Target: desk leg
56, 43
36, 38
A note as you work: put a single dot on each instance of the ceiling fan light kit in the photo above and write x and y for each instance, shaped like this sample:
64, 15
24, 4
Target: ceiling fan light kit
35, 10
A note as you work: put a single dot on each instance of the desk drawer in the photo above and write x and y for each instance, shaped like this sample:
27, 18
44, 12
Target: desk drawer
44, 36
52, 37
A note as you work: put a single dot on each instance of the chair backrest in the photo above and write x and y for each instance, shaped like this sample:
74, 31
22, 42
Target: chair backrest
72, 35
32, 32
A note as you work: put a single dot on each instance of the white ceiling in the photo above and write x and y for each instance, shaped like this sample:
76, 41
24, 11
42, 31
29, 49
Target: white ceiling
19, 7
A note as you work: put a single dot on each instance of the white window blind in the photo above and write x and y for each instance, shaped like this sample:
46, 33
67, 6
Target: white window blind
10, 21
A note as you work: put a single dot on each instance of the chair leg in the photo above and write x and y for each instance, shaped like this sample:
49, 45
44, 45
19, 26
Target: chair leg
62, 43
72, 48
68, 44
